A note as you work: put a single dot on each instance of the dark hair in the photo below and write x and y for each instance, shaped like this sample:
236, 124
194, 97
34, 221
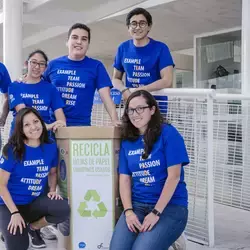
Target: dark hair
79, 26
16, 141
139, 11
131, 133
38, 51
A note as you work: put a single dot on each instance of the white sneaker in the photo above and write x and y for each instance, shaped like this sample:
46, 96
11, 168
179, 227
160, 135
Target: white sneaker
48, 233
180, 243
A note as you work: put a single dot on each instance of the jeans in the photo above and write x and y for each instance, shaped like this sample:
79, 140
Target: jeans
54, 211
168, 229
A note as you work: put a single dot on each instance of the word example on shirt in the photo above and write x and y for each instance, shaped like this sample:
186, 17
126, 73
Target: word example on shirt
42, 96
138, 71
142, 65
29, 177
77, 82
73, 81
35, 185
36, 101
149, 175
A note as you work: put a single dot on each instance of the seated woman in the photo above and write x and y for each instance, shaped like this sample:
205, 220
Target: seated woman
29, 161
34, 92
152, 187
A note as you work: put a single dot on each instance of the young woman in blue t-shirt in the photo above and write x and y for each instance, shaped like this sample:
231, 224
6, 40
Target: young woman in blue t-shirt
35, 92
29, 161
152, 186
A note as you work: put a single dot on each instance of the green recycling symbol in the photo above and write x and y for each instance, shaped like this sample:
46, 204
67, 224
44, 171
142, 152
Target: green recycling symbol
99, 212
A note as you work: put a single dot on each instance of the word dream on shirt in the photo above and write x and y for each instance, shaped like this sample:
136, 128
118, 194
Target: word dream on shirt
73, 82
42, 171
144, 174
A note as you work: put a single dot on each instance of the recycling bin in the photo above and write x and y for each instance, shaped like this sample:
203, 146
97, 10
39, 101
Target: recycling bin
87, 176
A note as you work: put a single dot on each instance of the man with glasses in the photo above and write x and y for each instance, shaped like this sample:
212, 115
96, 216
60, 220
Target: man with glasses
147, 63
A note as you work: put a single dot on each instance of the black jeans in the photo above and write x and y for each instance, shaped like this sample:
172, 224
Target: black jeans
54, 211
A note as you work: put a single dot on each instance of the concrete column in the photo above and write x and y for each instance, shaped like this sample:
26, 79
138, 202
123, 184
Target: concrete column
13, 36
245, 61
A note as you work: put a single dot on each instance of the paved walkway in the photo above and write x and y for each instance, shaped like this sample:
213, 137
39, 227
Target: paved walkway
191, 246
232, 231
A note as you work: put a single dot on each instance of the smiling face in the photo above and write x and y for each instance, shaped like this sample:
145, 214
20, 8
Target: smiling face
36, 65
32, 127
78, 44
140, 113
138, 27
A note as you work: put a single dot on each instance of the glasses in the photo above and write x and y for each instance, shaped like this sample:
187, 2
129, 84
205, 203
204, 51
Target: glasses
139, 110
134, 24
41, 64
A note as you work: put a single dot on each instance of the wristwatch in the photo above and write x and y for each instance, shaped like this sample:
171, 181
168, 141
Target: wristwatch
156, 212
124, 90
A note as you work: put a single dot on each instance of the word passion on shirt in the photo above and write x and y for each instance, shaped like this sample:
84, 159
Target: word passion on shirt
37, 101
73, 81
138, 71
35, 184
145, 165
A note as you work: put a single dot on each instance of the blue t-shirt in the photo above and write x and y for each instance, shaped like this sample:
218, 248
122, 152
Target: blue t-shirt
149, 176
29, 177
142, 65
4, 79
77, 82
42, 96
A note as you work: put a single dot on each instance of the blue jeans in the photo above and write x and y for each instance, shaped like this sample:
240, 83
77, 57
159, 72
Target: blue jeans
168, 229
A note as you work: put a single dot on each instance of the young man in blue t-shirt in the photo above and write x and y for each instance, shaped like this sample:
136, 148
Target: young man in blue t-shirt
147, 63
77, 77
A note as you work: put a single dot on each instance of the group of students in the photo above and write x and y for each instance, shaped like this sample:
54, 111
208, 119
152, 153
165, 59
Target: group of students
60, 93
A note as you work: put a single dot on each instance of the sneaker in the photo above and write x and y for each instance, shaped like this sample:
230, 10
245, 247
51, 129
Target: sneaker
180, 244
36, 239
48, 233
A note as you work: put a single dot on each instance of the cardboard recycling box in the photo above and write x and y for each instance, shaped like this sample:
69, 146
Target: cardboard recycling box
87, 175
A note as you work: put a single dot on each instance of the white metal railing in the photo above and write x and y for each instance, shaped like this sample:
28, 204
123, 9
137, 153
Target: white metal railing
216, 131
191, 111
232, 147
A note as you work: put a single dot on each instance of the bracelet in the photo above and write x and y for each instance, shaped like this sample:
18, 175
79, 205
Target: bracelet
124, 90
16, 212
128, 209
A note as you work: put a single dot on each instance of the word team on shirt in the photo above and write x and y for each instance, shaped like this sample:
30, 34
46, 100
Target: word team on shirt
145, 175
138, 71
36, 101
73, 81
41, 173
